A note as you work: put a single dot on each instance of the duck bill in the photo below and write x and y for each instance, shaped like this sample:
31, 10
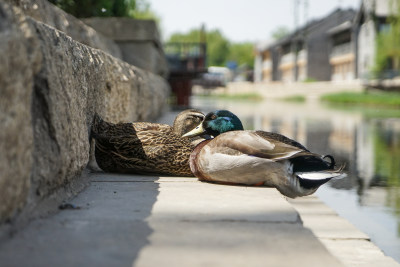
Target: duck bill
199, 130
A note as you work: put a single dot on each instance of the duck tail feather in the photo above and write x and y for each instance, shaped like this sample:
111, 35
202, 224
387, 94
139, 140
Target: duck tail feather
99, 126
311, 180
321, 175
341, 168
96, 122
332, 162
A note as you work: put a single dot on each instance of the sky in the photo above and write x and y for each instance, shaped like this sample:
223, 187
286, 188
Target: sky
241, 21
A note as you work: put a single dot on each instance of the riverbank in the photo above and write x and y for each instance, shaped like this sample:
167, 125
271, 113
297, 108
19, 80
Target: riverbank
364, 140
334, 93
374, 98
134, 220
277, 90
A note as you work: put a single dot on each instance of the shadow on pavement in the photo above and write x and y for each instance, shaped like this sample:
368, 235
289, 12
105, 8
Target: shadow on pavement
106, 227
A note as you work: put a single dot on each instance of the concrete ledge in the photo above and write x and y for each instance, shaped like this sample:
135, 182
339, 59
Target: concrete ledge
351, 246
51, 87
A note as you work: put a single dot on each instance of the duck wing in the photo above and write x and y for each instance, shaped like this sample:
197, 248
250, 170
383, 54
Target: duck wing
124, 146
103, 128
149, 126
142, 144
157, 144
280, 138
258, 144
149, 146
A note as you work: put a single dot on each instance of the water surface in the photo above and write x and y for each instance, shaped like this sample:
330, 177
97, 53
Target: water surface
367, 140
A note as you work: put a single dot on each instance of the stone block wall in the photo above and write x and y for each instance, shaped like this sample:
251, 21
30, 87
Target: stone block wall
138, 40
50, 87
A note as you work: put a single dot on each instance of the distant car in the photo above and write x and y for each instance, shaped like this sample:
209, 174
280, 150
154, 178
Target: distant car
215, 77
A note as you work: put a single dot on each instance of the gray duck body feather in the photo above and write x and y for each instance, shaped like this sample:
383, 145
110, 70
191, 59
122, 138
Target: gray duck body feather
258, 158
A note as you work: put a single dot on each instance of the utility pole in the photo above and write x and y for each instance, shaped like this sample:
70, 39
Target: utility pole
305, 5
305, 34
203, 46
294, 41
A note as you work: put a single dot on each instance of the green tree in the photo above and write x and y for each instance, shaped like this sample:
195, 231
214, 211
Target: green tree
143, 10
191, 36
388, 44
242, 53
96, 8
280, 32
217, 48
217, 44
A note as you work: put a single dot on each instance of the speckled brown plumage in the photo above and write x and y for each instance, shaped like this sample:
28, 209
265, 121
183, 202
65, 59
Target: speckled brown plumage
145, 148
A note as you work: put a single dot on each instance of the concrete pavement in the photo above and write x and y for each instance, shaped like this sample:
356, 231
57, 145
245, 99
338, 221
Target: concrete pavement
126, 220
340, 237
130, 220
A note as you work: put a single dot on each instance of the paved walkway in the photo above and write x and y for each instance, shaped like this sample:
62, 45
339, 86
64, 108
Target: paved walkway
126, 220
351, 246
151, 221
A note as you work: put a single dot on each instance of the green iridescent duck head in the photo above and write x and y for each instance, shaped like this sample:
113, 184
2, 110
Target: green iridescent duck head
217, 122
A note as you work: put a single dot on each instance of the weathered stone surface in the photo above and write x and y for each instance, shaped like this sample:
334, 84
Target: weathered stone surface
44, 11
18, 64
138, 40
51, 86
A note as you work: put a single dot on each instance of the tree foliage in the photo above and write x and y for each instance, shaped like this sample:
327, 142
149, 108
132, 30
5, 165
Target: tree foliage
96, 8
280, 32
192, 36
219, 49
138, 9
388, 44
143, 10
242, 53
217, 44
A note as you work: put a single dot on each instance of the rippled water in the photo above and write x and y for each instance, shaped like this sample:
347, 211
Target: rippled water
366, 139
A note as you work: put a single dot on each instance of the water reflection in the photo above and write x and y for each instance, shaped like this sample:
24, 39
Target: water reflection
367, 142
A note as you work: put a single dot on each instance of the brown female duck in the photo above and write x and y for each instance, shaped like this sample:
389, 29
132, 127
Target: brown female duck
144, 147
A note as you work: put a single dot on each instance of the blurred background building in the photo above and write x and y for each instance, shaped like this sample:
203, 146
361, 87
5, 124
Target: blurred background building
338, 47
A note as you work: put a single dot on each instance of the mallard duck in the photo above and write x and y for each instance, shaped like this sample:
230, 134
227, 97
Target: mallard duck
235, 156
144, 147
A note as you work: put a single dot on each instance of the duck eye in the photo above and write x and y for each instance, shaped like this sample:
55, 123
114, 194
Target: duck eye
213, 116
